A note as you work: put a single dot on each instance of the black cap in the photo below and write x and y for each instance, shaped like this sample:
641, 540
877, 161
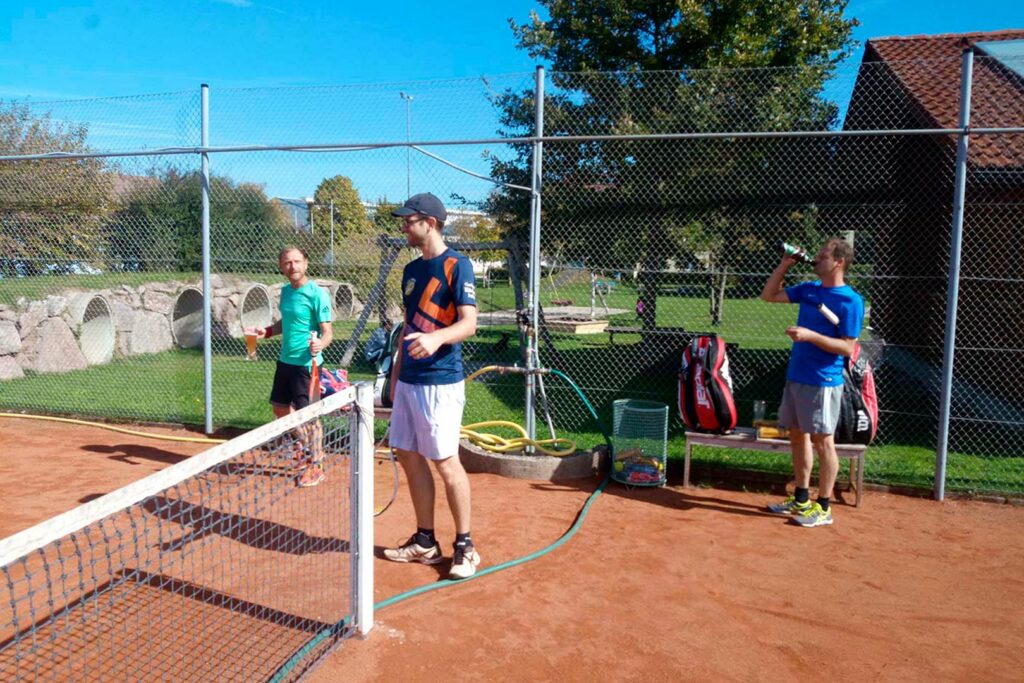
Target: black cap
425, 204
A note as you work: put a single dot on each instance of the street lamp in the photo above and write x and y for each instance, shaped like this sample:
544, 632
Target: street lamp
408, 159
310, 203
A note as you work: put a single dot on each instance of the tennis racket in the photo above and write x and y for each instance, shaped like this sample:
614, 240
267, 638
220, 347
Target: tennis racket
385, 476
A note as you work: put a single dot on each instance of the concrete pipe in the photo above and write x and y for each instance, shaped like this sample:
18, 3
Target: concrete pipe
254, 309
344, 300
94, 323
187, 318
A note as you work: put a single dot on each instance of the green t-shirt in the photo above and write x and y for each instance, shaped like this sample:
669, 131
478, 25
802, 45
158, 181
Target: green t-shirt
302, 311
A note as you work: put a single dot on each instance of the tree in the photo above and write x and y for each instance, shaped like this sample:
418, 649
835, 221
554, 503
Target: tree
51, 211
349, 212
654, 66
159, 226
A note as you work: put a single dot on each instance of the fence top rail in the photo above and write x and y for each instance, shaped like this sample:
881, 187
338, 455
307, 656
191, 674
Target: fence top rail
362, 147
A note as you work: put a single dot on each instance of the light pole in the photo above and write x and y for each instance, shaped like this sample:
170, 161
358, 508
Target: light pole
310, 202
408, 159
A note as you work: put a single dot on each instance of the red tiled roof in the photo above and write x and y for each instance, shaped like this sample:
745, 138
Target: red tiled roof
929, 68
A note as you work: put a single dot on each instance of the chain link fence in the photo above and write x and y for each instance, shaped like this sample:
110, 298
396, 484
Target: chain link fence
663, 198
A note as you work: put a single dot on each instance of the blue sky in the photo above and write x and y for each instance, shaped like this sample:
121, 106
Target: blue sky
61, 49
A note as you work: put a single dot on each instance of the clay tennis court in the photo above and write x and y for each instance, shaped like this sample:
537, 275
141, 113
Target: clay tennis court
658, 584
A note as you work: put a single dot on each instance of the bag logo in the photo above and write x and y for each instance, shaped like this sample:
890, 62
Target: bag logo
701, 392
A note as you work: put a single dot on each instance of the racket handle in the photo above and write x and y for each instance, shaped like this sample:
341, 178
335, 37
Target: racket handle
829, 315
314, 375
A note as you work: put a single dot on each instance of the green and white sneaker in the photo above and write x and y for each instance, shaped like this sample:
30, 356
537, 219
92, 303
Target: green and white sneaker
790, 507
815, 516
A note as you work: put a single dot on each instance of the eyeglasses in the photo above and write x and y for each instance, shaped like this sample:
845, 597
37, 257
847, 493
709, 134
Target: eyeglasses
416, 218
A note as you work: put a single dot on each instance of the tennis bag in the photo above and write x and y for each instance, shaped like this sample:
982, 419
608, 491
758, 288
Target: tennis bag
858, 413
705, 386
387, 357
333, 381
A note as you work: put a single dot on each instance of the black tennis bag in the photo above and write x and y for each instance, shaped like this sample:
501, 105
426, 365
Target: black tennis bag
858, 413
705, 386
384, 350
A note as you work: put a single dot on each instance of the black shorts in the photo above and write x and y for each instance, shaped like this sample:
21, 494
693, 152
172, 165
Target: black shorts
291, 386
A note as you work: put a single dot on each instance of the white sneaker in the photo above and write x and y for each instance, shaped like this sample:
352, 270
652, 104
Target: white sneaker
464, 563
411, 551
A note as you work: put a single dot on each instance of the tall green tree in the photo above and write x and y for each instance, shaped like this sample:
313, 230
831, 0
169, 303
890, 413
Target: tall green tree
51, 211
339, 195
159, 225
658, 66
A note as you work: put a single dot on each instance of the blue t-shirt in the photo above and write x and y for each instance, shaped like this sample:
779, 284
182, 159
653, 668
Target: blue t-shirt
430, 304
302, 311
809, 364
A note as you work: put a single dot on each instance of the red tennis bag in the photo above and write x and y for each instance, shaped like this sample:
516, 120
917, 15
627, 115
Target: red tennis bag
705, 387
858, 413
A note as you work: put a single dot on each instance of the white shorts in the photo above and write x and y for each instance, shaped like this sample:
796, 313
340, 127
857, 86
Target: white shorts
427, 418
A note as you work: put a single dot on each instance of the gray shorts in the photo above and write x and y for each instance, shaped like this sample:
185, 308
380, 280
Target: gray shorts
809, 408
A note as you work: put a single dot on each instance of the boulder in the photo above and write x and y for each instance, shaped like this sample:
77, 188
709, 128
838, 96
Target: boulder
10, 369
10, 340
34, 314
151, 333
55, 348
123, 314
163, 288
157, 301
225, 314
55, 305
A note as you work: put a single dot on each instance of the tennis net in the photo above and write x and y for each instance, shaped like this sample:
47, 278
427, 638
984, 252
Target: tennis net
217, 568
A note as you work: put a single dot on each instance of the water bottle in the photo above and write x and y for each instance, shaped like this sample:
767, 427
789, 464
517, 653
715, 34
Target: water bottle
793, 250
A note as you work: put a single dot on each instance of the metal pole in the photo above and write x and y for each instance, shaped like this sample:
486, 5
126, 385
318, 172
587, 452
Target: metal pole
361, 494
204, 90
534, 299
332, 238
408, 138
953, 292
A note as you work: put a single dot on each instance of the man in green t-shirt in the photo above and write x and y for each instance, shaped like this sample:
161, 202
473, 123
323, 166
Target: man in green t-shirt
305, 329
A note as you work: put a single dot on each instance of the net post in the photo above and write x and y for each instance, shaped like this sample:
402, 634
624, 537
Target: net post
361, 462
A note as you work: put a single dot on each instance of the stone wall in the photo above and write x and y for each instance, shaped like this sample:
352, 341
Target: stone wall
47, 335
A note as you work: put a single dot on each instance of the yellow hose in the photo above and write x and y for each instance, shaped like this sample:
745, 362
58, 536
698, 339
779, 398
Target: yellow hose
497, 444
122, 430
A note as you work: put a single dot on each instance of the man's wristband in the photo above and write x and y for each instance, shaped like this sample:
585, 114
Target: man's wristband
268, 331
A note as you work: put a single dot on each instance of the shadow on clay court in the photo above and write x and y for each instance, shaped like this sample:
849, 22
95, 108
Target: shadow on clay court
669, 497
198, 521
133, 454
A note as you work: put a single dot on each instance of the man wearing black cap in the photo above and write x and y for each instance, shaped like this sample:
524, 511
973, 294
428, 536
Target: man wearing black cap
439, 296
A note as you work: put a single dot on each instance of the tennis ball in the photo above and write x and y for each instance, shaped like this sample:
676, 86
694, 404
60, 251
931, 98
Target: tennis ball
619, 466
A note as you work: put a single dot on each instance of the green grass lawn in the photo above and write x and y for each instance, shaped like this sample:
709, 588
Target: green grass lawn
168, 386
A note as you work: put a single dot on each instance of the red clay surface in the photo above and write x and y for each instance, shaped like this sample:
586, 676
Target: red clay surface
661, 584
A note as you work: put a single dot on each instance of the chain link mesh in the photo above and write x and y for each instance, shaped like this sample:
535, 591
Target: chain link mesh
644, 242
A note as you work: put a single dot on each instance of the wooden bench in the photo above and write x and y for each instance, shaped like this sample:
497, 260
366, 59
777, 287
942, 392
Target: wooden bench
747, 440
671, 332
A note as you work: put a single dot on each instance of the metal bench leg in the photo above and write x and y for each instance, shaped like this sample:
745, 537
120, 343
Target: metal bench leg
686, 466
860, 476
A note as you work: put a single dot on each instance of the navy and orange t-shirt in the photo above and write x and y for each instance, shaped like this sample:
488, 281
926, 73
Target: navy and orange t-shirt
432, 291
